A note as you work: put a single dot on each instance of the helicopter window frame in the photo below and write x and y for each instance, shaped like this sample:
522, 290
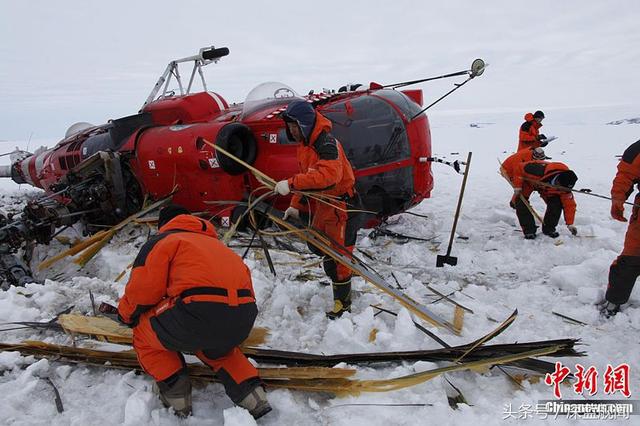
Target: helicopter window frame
403, 102
372, 132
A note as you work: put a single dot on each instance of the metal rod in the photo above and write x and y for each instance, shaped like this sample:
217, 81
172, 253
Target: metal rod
459, 207
157, 86
455, 164
422, 80
177, 74
193, 74
583, 191
170, 68
204, 82
457, 86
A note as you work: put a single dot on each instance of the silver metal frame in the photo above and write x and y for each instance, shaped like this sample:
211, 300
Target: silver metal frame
173, 71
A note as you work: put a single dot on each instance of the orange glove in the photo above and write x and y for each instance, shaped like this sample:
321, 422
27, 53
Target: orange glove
617, 210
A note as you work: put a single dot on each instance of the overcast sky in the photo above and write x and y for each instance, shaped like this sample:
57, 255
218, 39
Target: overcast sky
68, 61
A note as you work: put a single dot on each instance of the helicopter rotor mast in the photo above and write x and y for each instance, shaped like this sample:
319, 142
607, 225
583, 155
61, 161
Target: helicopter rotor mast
206, 56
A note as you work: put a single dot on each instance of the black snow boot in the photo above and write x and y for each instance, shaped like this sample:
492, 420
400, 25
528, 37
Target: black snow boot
341, 299
530, 236
609, 309
551, 233
175, 392
256, 402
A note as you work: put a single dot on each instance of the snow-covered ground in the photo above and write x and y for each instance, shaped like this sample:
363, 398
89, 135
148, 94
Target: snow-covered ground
497, 272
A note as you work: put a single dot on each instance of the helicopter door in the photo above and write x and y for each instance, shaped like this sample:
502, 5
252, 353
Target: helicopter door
375, 140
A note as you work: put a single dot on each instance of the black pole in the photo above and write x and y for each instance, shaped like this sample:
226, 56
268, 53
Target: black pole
577, 191
422, 80
459, 207
448, 259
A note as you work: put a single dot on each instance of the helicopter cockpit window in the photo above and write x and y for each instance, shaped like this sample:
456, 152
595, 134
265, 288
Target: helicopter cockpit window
267, 94
370, 130
408, 107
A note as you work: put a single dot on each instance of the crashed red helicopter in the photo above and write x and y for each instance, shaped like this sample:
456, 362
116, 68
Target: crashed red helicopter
99, 175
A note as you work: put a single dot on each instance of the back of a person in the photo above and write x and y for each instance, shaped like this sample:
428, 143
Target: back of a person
203, 261
540, 170
510, 163
189, 293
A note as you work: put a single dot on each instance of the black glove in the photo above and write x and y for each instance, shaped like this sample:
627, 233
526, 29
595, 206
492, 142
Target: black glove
541, 136
543, 144
120, 320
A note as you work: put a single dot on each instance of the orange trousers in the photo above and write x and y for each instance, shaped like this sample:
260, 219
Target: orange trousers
625, 269
232, 368
333, 223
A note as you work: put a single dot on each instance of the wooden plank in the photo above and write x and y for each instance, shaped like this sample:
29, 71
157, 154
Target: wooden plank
106, 329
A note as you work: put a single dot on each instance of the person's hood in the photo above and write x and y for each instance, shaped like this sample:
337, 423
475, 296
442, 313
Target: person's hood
529, 117
301, 112
322, 125
187, 222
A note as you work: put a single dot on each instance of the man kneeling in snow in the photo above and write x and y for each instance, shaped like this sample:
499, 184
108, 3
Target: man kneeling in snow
190, 293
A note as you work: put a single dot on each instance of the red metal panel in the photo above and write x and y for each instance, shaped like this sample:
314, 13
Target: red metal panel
191, 108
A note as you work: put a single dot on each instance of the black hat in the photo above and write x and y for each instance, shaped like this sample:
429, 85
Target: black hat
169, 212
538, 114
567, 179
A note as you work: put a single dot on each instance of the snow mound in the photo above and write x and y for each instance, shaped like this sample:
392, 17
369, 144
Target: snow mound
138, 407
237, 416
585, 279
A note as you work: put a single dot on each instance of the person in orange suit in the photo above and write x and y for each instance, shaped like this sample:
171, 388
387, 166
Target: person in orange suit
626, 267
549, 179
188, 292
524, 155
324, 168
530, 136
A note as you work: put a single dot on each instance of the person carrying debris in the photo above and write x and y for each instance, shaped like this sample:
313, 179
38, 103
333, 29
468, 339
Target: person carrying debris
188, 292
550, 180
530, 136
626, 267
508, 166
324, 168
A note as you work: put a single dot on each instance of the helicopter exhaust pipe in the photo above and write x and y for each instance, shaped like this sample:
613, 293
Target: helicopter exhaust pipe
25, 168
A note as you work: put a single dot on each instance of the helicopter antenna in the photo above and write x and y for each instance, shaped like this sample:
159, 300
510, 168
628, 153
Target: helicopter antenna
29, 140
477, 68
206, 56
